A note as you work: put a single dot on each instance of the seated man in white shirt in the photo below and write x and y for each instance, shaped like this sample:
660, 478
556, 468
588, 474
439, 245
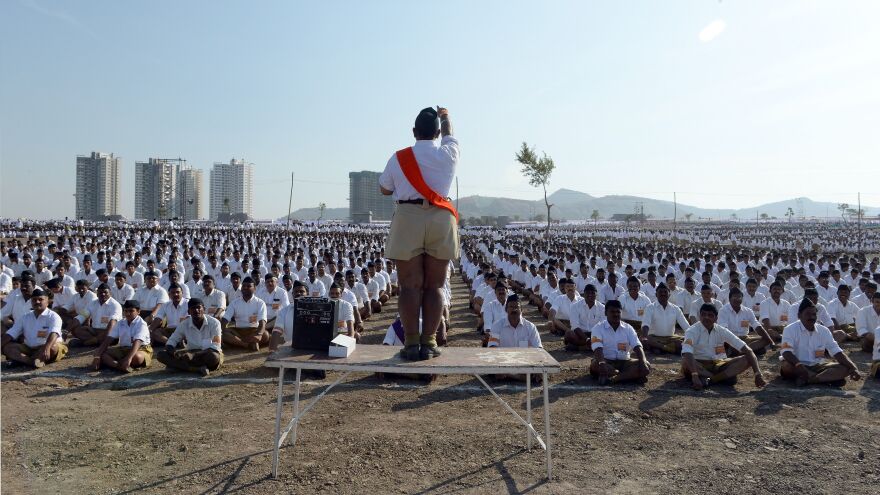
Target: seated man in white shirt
201, 334
170, 314
345, 316
283, 331
98, 319
706, 297
120, 291
634, 303
132, 337
660, 322
494, 311
560, 309
704, 357
585, 314
867, 320
741, 320
39, 332
244, 323
805, 345
613, 341
62, 303
275, 298
515, 331
213, 298
843, 312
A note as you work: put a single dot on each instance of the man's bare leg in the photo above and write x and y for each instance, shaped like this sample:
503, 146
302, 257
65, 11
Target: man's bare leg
410, 276
432, 299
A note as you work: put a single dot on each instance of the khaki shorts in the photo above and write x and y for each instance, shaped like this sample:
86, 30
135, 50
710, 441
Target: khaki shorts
875, 369
620, 365
118, 352
713, 366
31, 352
241, 333
822, 366
670, 343
419, 229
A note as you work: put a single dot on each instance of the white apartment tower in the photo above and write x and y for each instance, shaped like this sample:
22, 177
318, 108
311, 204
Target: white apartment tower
97, 186
191, 198
232, 188
157, 186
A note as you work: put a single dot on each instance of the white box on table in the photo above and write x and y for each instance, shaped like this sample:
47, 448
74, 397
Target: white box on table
342, 346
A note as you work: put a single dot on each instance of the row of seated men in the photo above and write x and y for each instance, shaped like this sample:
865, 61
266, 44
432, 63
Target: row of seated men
717, 341
191, 330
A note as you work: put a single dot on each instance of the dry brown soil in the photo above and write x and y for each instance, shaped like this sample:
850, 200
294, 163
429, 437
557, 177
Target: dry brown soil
67, 430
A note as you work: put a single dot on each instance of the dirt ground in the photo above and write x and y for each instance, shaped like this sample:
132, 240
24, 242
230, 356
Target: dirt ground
67, 430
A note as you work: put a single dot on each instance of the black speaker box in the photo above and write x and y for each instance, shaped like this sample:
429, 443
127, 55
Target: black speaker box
314, 323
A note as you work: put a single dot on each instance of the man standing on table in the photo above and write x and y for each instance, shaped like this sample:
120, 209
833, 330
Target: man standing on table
424, 230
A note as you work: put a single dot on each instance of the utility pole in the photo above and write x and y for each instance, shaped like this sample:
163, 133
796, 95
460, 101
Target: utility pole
859, 216
674, 212
290, 201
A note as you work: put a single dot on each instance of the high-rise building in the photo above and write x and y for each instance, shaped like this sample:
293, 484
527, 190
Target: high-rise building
191, 198
97, 186
364, 197
232, 189
157, 185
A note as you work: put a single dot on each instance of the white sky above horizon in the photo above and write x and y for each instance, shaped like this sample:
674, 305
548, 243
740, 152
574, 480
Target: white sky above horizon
731, 104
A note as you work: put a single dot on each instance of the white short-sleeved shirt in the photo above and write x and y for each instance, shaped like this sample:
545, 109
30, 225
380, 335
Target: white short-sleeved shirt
316, 288
867, 320
634, 309
740, 323
36, 328
615, 344
809, 347
685, 300
845, 315
172, 314
213, 301
492, 311
246, 314
585, 317
753, 302
606, 293
275, 301
136, 280
562, 305
524, 335
698, 303
127, 332
436, 163
149, 298
64, 299
209, 336
776, 313
101, 314
285, 320
661, 320
123, 294
346, 313
709, 345
360, 291
80, 303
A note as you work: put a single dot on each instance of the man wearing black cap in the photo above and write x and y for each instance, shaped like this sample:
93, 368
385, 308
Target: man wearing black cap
424, 230
40, 331
133, 348
202, 336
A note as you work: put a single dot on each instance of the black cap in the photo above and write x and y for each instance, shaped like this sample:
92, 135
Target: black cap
131, 304
427, 123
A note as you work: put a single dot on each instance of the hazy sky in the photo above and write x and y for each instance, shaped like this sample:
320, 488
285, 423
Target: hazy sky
731, 104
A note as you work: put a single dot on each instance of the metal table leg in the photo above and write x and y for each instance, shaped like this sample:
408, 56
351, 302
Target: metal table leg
547, 427
276, 445
528, 410
296, 406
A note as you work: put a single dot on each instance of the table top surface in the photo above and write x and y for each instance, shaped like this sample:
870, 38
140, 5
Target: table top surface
384, 358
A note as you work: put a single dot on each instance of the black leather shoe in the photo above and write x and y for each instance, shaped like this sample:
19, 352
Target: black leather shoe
410, 353
429, 351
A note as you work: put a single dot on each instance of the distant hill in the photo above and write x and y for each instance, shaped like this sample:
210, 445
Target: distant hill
575, 205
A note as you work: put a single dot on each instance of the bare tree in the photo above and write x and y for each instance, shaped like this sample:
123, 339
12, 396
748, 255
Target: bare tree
595, 216
843, 207
789, 213
537, 171
688, 216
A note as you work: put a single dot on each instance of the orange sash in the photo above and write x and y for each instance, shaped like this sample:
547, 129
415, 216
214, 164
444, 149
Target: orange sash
410, 167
